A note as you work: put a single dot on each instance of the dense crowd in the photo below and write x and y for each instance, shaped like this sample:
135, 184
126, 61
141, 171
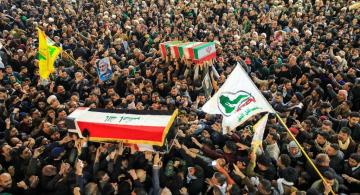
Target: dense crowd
302, 54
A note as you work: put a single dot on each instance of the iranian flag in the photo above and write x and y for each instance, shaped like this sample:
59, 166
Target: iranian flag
203, 52
128, 126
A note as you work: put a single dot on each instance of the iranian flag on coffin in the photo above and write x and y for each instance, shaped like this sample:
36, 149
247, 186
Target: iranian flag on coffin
165, 47
128, 126
203, 52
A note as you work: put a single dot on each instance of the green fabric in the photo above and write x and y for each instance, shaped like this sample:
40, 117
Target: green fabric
247, 26
23, 18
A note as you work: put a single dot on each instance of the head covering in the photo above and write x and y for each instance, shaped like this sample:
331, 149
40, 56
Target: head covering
343, 92
294, 130
292, 144
51, 98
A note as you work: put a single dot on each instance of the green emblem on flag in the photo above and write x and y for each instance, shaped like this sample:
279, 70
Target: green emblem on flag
229, 102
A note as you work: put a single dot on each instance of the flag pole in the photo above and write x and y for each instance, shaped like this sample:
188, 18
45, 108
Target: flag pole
77, 63
289, 132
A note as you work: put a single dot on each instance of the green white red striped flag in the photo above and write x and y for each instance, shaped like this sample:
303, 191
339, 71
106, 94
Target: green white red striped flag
128, 126
204, 52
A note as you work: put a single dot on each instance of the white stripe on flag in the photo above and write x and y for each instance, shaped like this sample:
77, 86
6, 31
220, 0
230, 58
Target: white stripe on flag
124, 119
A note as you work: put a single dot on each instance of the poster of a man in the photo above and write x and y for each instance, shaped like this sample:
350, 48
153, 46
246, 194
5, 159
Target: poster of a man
104, 69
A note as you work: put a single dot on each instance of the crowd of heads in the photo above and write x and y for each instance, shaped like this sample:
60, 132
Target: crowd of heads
302, 54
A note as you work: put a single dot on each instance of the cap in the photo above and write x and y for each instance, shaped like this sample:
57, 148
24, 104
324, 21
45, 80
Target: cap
294, 130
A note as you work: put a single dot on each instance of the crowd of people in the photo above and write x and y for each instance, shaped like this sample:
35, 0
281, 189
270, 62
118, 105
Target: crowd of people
302, 54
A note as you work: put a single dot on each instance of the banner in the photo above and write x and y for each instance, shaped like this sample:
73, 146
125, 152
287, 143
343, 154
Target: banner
103, 68
237, 100
128, 126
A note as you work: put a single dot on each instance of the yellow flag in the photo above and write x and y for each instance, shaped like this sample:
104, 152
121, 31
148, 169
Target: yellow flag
47, 55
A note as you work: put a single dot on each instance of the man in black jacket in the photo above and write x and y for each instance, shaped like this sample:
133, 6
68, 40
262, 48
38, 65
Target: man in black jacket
336, 157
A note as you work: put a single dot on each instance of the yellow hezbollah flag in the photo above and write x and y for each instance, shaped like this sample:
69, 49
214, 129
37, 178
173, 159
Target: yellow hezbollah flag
47, 55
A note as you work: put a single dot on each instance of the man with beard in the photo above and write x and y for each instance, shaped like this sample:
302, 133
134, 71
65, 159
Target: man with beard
295, 104
25, 124
352, 122
336, 157
271, 146
312, 101
346, 143
62, 95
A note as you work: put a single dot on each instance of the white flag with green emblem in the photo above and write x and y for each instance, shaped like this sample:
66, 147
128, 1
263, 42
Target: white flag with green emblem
237, 100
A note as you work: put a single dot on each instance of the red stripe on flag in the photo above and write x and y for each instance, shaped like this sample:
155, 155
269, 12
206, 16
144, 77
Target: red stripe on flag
206, 58
124, 132
163, 50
